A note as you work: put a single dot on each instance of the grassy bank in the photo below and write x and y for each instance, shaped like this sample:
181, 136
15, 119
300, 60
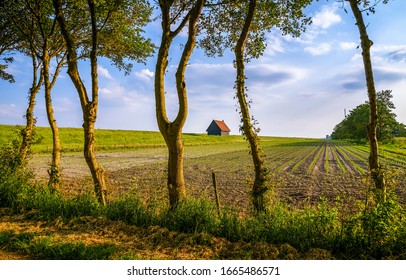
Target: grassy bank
116, 140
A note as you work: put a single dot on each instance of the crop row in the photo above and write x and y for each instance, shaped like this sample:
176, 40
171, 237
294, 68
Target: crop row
326, 157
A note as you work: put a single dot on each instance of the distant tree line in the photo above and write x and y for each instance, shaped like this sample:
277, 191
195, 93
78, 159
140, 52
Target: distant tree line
355, 124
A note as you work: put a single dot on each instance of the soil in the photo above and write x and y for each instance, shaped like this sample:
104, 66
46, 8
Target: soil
143, 172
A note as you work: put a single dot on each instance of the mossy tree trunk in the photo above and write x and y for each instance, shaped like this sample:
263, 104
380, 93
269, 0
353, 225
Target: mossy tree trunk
172, 131
366, 44
54, 170
259, 186
27, 133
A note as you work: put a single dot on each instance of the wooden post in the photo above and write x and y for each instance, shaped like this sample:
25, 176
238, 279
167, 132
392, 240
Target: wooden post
213, 175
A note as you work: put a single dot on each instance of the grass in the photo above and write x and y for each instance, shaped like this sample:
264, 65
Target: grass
46, 247
119, 140
108, 140
326, 161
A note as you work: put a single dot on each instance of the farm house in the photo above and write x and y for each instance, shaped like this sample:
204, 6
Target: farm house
218, 128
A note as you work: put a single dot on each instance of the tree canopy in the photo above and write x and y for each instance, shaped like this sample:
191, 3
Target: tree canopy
355, 124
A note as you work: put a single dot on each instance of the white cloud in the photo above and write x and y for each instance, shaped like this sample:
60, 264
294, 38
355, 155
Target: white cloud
144, 74
326, 17
63, 105
348, 46
103, 72
274, 45
8, 110
118, 95
321, 49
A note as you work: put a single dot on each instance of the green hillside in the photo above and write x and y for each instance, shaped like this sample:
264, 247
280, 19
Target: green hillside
106, 139
72, 139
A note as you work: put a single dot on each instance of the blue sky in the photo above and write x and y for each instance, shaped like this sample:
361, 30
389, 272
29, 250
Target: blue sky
299, 87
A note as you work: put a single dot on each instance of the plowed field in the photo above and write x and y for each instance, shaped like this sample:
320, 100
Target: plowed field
302, 172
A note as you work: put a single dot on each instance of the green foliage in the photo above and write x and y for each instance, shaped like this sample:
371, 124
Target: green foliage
131, 210
354, 126
191, 216
10, 159
221, 24
376, 233
4, 75
8, 40
18, 193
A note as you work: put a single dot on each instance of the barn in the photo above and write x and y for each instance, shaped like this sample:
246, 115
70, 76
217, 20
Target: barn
218, 128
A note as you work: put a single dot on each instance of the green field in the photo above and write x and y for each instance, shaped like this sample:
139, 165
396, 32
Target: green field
110, 140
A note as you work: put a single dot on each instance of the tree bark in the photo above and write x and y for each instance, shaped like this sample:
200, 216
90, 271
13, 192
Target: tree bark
259, 186
54, 170
29, 115
89, 108
366, 44
172, 131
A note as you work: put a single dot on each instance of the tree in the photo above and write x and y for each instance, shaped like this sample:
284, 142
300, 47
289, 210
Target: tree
241, 26
28, 131
8, 41
34, 23
375, 167
354, 126
16, 38
108, 20
387, 124
184, 12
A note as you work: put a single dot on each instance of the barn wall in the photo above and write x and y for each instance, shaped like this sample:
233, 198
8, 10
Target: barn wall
213, 129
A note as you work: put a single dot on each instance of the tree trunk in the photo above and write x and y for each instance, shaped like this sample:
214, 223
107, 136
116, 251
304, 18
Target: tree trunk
259, 186
89, 108
366, 44
54, 170
176, 181
97, 172
172, 131
90, 115
29, 116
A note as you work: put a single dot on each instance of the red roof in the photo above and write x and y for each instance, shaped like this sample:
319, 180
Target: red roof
222, 125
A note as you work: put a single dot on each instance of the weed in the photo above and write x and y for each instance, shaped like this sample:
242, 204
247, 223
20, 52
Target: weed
191, 216
131, 210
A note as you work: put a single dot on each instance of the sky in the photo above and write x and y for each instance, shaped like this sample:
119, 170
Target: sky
300, 87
